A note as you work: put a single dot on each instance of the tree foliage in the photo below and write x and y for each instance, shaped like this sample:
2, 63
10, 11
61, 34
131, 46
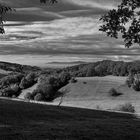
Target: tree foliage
124, 21
3, 10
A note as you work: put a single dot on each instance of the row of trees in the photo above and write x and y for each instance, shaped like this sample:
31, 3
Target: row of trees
103, 68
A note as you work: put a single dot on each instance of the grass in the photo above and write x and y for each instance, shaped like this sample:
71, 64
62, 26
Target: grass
26, 121
95, 87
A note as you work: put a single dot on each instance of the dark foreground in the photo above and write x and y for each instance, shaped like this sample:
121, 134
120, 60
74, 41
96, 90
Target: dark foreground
25, 121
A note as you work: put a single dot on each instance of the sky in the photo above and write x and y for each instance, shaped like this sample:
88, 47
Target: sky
38, 34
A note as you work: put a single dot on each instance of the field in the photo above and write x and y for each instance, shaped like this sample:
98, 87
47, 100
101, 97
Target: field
26, 121
93, 92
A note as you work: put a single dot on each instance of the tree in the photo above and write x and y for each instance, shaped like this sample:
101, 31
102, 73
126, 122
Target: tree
124, 21
4, 9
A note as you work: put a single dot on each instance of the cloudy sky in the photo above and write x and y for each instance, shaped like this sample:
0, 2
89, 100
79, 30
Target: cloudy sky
38, 34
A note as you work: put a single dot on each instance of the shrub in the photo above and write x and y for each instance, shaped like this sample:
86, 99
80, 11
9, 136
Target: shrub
14, 87
47, 90
128, 107
11, 79
64, 78
28, 81
7, 92
10, 91
13, 96
73, 80
136, 85
133, 81
31, 77
28, 96
114, 92
24, 83
39, 97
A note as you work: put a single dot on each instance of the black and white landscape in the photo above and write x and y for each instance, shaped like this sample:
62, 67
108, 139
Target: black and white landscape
63, 79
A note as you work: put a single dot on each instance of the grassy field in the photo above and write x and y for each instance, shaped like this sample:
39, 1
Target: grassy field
93, 92
26, 121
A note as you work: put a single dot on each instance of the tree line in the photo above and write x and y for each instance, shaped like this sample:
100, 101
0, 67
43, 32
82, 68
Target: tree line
104, 68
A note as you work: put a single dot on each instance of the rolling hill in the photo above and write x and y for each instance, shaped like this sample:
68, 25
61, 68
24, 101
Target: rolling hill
93, 92
88, 92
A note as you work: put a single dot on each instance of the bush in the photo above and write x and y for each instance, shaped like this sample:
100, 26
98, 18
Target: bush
73, 80
10, 91
47, 90
31, 77
114, 92
130, 80
28, 96
128, 107
39, 97
133, 81
136, 85
64, 78
11, 79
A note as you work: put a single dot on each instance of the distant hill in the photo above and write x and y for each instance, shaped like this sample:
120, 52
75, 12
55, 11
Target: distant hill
103, 68
100, 68
13, 67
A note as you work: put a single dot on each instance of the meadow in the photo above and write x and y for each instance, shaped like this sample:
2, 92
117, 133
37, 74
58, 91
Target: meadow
93, 93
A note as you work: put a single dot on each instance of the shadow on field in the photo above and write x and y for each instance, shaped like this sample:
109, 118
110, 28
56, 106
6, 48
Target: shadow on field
27, 121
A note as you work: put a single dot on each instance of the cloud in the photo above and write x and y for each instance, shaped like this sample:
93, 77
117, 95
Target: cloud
71, 34
102, 4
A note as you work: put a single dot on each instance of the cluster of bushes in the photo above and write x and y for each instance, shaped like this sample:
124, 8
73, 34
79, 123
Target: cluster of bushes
11, 85
28, 81
10, 79
73, 80
127, 107
133, 81
11, 91
48, 87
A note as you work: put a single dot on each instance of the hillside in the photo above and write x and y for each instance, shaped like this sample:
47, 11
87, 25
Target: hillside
20, 121
93, 92
88, 92
7, 67
93, 88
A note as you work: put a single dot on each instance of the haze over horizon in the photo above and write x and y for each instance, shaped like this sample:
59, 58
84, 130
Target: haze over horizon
37, 34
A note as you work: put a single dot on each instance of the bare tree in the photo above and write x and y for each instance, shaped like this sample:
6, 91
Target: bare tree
63, 93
